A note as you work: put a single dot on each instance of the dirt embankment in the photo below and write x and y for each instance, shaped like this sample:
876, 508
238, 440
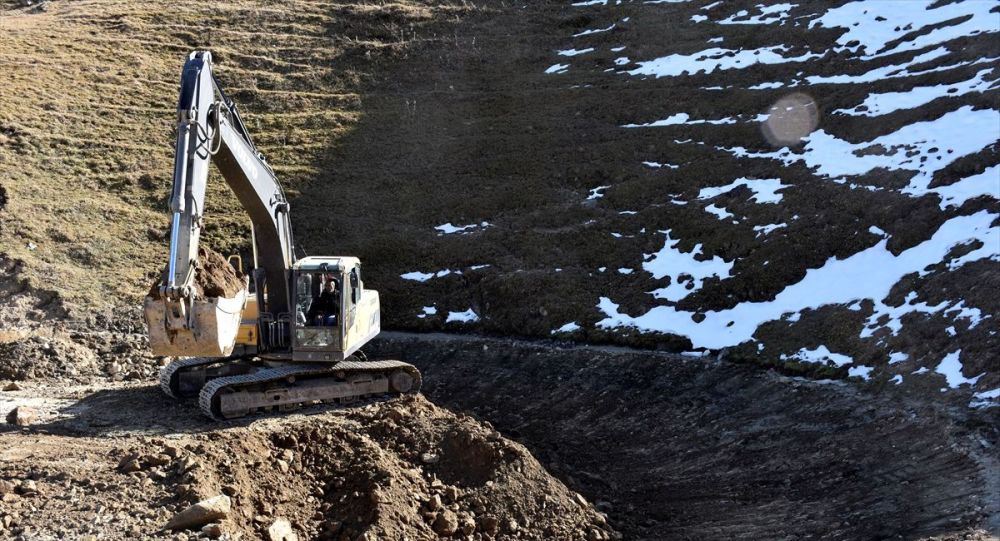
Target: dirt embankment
402, 469
675, 447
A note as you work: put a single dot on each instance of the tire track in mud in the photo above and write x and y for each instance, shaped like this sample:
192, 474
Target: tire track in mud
682, 448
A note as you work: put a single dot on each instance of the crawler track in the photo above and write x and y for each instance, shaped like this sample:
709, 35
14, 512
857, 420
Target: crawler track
292, 386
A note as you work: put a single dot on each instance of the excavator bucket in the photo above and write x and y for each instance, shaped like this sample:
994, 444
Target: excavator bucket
206, 327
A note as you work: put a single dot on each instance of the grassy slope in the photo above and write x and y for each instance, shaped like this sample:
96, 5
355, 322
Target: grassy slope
87, 114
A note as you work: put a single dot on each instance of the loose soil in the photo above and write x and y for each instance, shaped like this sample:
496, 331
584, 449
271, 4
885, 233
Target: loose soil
213, 276
118, 461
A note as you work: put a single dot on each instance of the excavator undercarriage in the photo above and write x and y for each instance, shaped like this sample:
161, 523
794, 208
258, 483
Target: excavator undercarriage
231, 388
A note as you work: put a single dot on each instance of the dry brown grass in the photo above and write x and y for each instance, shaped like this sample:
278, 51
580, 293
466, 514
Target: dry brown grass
87, 113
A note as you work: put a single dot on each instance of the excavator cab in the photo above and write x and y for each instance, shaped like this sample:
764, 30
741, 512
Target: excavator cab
328, 331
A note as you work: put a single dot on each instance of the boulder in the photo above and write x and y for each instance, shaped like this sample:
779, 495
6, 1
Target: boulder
446, 523
281, 530
22, 416
201, 513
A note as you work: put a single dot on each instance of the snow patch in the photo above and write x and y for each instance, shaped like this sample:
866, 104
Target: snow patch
772, 14
951, 369
764, 190
878, 24
467, 316
682, 268
923, 147
869, 274
713, 59
569, 327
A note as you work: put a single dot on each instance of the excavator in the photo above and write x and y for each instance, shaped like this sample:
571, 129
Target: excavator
263, 348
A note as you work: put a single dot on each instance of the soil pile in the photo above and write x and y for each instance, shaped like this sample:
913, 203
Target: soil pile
213, 276
76, 356
401, 469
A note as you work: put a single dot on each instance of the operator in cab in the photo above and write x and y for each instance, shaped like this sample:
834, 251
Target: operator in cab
325, 306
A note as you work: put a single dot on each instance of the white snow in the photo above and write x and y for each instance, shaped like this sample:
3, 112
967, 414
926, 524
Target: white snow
878, 24
951, 369
679, 119
717, 40
719, 212
418, 276
765, 86
985, 399
776, 13
897, 379
658, 165
955, 195
449, 228
622, 60
557, 68
712, 59
575, 52
897, 357
625, 270
467, 316
673, 263
427, 311
593, 31
889, 102
478, 267
861, 371
764, 190
869, 274
569, 327
766, 229
699, 18
590, 3
922, 147
597, 193
884, 72
820, 355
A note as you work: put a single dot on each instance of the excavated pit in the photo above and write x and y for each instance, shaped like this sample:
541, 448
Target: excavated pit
693, 448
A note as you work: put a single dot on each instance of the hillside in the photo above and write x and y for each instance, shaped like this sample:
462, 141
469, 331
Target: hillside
671, 269
592, 172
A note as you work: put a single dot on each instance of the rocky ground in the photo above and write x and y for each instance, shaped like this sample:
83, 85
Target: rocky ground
119, 461
538, 441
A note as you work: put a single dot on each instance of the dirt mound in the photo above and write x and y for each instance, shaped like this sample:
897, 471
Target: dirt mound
38, 357
74, 356
402, 469
213, 276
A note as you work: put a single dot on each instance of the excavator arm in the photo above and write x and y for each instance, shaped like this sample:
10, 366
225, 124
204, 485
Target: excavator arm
209, 129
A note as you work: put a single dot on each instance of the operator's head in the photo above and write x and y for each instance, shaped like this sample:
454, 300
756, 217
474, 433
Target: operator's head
329, 284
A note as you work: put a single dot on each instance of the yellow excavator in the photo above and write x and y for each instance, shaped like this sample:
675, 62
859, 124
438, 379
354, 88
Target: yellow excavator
292, 334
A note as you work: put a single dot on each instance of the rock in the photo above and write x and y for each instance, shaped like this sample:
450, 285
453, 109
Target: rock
283, 466
28, 488
489, 525
451, 494
12, 386
201, 513
580, 500
172, 451
130, 463
281, 530
213, 531
466, 525
434, 503
6, 487
430, 458
22, 416
446, 523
